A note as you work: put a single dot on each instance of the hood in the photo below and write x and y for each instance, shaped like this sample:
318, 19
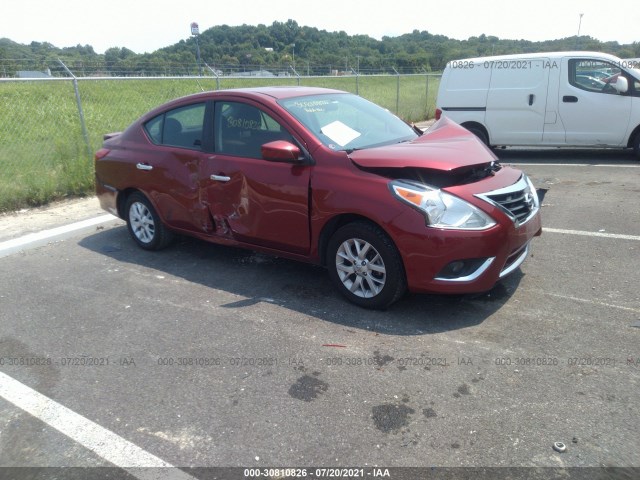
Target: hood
446, 146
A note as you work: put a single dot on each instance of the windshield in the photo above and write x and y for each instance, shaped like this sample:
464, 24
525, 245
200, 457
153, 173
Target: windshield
343, 121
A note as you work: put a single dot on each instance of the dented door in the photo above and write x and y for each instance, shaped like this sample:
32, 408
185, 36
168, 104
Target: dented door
252, 200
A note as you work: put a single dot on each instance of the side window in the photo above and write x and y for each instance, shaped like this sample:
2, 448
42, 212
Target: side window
634, 85
154, 129
181, 127
242, 129
594, 75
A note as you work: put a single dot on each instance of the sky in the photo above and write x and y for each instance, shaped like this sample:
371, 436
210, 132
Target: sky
147, 25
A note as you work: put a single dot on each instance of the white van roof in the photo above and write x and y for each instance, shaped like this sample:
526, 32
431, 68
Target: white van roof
576, 54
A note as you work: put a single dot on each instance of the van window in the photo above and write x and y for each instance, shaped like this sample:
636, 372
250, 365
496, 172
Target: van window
594, 75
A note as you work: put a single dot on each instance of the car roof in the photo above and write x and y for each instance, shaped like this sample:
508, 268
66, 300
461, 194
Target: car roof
275, 93
282, 92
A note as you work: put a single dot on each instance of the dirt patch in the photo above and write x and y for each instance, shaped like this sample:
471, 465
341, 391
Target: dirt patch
30, 220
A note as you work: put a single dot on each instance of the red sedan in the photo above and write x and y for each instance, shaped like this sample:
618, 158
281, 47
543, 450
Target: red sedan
325, 177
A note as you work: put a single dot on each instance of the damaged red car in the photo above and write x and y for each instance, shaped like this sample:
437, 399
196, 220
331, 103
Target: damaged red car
325, 177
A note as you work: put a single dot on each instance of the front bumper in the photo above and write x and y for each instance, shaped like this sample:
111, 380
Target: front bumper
486, 256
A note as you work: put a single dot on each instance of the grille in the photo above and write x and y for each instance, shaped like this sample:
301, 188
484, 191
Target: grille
519, 204
519, 201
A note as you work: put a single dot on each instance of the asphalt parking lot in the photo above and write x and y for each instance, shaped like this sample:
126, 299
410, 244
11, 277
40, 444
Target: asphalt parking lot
208, 356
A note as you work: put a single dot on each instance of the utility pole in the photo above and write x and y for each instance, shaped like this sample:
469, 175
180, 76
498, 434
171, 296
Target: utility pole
578, 37
195, 31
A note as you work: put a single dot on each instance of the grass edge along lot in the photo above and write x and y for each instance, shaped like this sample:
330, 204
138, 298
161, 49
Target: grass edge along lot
43, 153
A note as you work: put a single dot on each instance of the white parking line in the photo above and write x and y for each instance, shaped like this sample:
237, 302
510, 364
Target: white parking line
32, 240
591, 234
591, 302
519, 164
113, 448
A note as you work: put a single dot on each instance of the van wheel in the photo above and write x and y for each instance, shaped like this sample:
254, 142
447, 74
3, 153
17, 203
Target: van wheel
144, 224
478, 132
636, 145
366, 266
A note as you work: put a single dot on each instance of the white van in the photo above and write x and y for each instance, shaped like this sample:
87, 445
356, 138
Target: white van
545, 99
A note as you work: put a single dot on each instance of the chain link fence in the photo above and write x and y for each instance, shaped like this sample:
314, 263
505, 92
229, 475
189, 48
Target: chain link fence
50, 127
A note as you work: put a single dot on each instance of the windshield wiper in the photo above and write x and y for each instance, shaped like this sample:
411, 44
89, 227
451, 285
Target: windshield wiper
417, 129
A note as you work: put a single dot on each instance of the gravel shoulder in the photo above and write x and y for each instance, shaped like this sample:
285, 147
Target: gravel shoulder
30, 220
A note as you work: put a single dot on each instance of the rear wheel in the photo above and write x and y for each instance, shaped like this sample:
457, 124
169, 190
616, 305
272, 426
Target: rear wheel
636, 145
366, 266
144, 224
478, 132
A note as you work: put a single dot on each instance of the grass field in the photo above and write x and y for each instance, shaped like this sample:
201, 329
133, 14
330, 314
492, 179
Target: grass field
43, 153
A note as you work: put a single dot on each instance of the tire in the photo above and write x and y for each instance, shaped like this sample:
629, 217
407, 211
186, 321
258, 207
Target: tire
379, 280
480, 133
144, 224
636, 145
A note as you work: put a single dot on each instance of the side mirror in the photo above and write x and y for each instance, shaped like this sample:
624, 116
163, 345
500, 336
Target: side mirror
281, 151
622, 84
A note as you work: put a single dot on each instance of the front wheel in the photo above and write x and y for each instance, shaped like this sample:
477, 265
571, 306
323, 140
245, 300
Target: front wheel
366, 266
144, 224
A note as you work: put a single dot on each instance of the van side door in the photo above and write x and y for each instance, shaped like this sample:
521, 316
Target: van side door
591, 109
517, 100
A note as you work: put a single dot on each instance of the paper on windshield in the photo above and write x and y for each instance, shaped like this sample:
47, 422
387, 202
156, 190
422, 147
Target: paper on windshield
339, 133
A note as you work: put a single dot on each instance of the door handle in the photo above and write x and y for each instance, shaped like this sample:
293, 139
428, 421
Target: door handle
531, 97
570, 99
143, 166
220, 178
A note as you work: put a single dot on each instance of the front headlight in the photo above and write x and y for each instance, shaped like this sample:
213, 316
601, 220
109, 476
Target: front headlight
441, 209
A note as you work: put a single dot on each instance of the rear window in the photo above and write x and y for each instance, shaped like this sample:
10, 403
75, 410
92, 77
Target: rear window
154, 129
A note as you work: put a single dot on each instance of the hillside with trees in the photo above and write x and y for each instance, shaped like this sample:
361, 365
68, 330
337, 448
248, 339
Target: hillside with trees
284, 45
